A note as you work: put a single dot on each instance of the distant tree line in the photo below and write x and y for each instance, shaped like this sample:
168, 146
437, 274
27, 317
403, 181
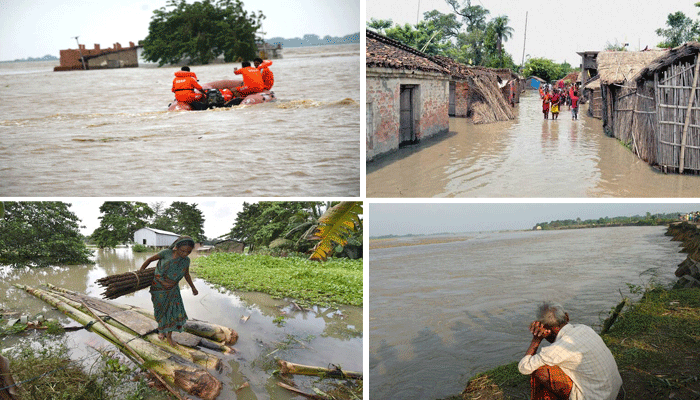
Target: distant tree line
636, 220
47, 57
314, 40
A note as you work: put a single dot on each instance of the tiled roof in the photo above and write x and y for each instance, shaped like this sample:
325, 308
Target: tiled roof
384, 52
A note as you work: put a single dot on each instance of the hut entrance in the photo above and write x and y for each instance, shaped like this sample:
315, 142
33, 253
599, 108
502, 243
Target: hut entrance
407, 134
453, 89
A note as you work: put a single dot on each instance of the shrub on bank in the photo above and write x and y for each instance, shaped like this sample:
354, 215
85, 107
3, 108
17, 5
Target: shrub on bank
334, 282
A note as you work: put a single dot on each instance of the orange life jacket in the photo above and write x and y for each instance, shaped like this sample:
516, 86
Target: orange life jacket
251, 77
185, 80
268, 77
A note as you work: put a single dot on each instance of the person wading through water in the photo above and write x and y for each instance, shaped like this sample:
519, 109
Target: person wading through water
173, 265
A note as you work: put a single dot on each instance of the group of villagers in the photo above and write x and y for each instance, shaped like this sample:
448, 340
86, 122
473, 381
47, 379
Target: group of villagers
554, 97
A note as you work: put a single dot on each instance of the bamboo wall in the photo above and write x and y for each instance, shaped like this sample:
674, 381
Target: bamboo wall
673, 88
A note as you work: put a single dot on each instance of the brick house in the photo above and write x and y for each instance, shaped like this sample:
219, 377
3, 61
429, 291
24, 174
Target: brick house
98, 58
407, 95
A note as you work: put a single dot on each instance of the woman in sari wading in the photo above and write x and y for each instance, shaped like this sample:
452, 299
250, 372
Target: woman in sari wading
173, 265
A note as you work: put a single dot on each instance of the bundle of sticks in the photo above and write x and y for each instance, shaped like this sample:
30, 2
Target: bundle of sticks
126, 283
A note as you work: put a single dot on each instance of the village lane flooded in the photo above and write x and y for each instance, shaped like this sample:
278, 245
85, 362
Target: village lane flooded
444, 308
108, 132
318, 337
524, 157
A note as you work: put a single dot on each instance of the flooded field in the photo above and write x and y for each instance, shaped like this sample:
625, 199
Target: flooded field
107, 132
443, 308
319, 337
525, 157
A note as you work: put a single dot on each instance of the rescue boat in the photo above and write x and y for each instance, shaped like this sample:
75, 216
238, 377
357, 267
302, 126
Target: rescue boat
219, 94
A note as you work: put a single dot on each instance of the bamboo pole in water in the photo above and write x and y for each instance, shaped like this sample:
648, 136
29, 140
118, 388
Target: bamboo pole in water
174, 369
287, 367
217, 333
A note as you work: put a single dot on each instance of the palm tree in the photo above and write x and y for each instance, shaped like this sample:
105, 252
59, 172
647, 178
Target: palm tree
502, 30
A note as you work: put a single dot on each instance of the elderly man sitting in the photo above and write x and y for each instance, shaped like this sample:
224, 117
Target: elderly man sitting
577, 365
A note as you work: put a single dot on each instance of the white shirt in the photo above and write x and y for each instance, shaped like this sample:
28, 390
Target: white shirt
584, 358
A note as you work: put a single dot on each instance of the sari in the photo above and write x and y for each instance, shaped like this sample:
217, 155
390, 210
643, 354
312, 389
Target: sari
168, 307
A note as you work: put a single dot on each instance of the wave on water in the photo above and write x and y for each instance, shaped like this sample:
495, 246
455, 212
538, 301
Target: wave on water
316, 104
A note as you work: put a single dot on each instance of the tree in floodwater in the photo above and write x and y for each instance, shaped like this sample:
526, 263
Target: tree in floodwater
119, 221
41, 234
201, 31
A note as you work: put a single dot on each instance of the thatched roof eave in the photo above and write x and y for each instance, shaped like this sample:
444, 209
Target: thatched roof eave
616, 67
688, 51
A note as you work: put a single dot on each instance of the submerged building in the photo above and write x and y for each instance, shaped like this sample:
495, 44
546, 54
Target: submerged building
99, 58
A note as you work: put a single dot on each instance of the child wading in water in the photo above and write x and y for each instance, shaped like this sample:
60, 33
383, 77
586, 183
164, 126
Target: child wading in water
173, 265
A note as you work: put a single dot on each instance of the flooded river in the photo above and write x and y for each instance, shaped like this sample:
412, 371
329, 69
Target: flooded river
107, 132
325, 335
525, 157
442, 312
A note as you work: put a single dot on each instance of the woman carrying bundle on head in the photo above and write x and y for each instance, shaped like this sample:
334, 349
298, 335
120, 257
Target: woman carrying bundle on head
173, 265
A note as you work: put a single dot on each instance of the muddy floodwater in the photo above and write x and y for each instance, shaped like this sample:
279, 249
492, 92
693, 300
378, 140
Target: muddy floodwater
443, 309
319, 337
524, 157
107, 132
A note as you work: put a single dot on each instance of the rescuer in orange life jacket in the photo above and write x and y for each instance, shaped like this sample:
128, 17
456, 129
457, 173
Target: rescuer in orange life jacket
252, 80
268, 77
184, 84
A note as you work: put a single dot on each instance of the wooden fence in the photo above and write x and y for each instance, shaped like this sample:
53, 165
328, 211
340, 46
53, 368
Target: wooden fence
678, 113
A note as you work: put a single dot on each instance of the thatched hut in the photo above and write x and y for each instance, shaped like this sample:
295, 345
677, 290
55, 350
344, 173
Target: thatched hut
407, 95
477, 93
616, 70
668, 109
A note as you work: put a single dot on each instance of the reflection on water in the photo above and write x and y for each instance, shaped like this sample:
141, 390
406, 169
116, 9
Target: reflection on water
335, 336
525, 157
61, 127
445, 311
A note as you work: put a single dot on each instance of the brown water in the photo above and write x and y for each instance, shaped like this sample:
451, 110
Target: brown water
440, 313
107, 132
525, 157
335, 335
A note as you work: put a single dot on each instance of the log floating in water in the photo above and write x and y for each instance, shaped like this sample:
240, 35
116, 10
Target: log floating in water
287, 367
177, 370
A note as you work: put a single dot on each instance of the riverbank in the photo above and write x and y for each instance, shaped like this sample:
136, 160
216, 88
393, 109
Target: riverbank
656, 342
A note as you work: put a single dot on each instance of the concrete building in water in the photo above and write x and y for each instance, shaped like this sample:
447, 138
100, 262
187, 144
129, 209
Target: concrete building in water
98, 58
407, 96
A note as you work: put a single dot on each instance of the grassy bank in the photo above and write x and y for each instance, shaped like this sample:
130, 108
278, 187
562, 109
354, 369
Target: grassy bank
330, 283
656, 343
46, 372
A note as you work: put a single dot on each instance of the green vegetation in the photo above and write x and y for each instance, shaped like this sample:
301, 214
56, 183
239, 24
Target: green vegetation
334, 282
108, 377
636, 220
656, 343
139, 248
201, 31
474, 41
41, 234
546, 69
679, 29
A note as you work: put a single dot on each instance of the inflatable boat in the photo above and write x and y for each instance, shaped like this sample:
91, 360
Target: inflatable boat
219, 94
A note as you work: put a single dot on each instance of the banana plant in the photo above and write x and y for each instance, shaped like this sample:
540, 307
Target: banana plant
334, 227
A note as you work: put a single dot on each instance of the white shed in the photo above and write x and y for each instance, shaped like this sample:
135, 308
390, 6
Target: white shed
154, 237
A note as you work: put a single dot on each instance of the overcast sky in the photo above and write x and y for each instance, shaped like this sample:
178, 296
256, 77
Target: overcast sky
39, 27
219, 214
427, 218
557, 29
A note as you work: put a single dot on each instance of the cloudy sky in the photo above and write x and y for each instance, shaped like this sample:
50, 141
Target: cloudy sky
557, 29
219, 214
39, 27
427, 218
